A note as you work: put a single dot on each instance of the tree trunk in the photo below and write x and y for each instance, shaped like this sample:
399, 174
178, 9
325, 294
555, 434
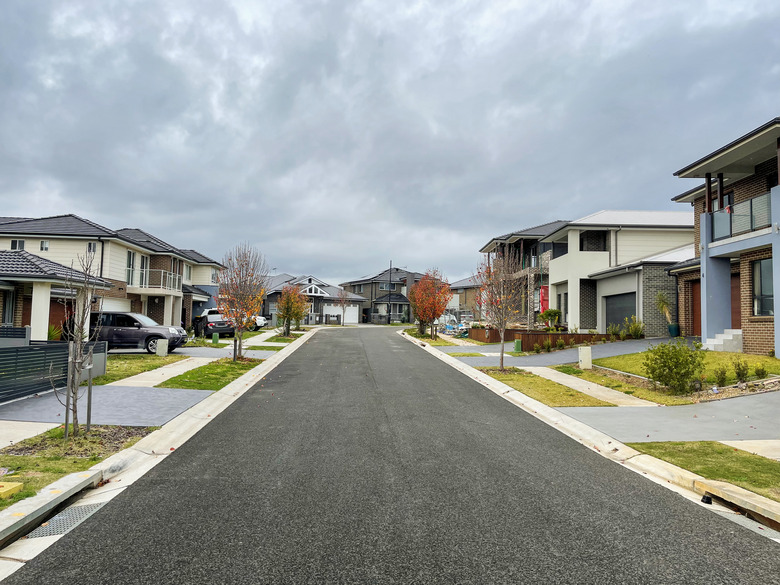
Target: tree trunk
287, 327
421, 327
501, 359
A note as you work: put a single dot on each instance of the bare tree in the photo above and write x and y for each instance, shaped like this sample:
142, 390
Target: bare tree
242, 284
500, 291
343, 301
82, 286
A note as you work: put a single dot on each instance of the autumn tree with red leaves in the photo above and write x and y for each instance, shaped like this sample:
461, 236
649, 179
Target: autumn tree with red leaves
291, 307
429, 298
500, 291
242, 283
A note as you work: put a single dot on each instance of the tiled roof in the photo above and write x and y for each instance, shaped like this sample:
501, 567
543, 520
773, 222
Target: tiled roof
57, 225
7, 219
536, 232
394, 298
638, 218
398, 275
194, 290
148, 241
16, 264
468, 282
200, 258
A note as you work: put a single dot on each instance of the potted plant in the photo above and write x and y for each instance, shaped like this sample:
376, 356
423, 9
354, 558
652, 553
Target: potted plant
663, 304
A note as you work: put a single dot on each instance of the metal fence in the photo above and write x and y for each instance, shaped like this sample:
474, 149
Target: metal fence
40, 367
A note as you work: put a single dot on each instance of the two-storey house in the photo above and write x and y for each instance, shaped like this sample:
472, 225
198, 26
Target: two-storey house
324, 301
385, 291
726, 292
586, 281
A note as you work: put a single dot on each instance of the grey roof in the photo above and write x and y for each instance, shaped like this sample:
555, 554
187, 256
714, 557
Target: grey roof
20, 264
148, 241
669, 257
685, 265
468, 282
57, 225
394, 298
194, 290
398, 275
533, 233
7, 219
279, 281
200, 258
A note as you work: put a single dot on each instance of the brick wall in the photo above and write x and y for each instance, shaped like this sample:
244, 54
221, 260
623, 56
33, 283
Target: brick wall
685, 282
758, 333
587, 305
160, 262
186, 305
18, 305
594, 241
655, 280
156, 309
756, 184
118, 291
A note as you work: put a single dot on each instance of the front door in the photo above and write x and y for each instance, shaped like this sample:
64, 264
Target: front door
696, 307
736, 305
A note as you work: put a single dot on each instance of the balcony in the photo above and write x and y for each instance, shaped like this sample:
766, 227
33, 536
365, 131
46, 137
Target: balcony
154, 279
742, 218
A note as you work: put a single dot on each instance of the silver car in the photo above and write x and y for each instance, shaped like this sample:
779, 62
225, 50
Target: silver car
130, 330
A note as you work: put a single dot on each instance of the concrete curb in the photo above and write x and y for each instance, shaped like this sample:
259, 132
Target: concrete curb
142, 456
612, 448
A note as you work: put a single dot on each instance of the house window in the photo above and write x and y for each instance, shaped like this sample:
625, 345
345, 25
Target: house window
130, 276
386, 286
358, 288
17, 244
763, 289
91, 247
44, 245
214, 276
188, 272
143, 276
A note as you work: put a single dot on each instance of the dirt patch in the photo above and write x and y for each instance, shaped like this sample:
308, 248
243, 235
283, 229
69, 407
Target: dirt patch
101, 441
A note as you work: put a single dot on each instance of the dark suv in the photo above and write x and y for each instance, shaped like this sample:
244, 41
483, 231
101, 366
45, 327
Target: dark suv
135, 330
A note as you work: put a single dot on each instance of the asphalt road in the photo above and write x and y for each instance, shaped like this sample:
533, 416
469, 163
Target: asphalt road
362, 459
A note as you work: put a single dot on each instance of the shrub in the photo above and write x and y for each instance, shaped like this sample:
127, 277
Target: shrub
721, 373
603, 340
612, 338
623, 334
674, 365
741, 369
547, 345
550, 315
592, 332
634, 327
613, 329
771, 353
537, 348
560, 344
572, 342
760, 372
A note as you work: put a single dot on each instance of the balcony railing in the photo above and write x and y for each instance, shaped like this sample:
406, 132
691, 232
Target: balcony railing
742, 218
160, 279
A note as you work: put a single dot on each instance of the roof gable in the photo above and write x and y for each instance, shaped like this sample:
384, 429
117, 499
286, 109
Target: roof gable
57, 225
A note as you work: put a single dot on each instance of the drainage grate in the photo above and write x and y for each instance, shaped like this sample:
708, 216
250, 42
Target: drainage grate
66, 520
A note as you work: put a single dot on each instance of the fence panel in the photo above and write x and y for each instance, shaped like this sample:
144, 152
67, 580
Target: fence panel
32, 369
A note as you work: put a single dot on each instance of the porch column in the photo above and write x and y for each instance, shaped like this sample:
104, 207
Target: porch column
176, 313
168, 310
720, 190
774, 198
715, 287
574, 283
708, 192
39, 311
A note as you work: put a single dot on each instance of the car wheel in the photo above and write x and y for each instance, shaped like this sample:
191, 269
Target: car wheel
256, 327
151, 344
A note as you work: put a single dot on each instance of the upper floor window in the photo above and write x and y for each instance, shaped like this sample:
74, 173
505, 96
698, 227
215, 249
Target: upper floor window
593, 241
763, 289
386, 286
17, 244
91, 247
187, 272
214, 276
358, 288
44, 245
130, 276
728, 199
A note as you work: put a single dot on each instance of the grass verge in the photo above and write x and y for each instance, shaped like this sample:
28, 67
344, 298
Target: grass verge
120, 366
265, 347
720, 462
465, 354
632, 363
545, 391
283, 339
438, 342
213, 376
204, 342
623, 384
41, 460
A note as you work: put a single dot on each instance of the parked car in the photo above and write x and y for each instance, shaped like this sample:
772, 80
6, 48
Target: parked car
214, 323
260, 322
130, 330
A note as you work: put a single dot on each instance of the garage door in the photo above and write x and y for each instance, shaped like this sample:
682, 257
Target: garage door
116, 305
620, 307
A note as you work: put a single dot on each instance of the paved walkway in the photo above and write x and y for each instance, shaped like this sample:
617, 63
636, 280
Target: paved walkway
595, 390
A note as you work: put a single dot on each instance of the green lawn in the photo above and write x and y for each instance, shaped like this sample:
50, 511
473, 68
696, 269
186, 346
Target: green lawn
439, 341
265, 347
282, 339
720, 462
213, 376
52, 458
601, 378
204, 342
120, 366
466, 354
632, 363
545, 391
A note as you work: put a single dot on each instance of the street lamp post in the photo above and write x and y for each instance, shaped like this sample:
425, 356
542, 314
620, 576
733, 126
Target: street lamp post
389, 292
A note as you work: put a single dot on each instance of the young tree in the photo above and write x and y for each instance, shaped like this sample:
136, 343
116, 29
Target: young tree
242, 284
429, 298
500, 291
291, 307
82, 285
342, 300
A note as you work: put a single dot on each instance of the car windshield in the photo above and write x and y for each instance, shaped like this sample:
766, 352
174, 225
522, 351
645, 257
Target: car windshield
215, 318
144, 320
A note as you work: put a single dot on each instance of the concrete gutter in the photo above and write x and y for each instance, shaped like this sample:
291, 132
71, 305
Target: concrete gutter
613, 449
141, 457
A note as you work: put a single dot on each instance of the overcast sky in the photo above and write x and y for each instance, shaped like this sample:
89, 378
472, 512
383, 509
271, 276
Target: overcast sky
338, 136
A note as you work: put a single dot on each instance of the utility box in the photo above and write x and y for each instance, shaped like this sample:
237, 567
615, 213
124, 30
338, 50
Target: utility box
585, 361
162, 347
518, 345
